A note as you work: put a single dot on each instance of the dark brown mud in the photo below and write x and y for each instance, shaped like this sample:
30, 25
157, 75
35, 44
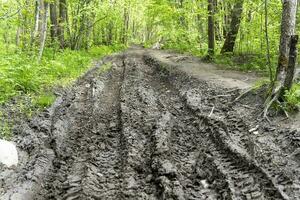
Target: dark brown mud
144, 129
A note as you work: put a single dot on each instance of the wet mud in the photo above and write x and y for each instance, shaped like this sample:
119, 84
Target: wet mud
134, 127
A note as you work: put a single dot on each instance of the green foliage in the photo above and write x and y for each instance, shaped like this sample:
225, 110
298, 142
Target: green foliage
30, 83
183, 28
244, 62
44, 100
21, 74
292, 98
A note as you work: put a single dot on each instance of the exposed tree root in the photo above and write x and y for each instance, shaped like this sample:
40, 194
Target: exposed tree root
274, 97
246, 92
270, 100
284, 110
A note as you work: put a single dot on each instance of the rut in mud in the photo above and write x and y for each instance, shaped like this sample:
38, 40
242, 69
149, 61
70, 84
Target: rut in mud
141, 130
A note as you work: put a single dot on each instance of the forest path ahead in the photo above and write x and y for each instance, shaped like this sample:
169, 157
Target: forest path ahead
205, 71
138, 127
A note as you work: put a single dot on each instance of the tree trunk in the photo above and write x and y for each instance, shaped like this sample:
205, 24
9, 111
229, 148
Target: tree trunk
287, 54
19, 29
236, 16
110, 28
292, 63
226, 18
36, 22
62, 22
218, 29
43, 30
125, 26
267, 41
182, 20
54, 22
211, 29
287, 31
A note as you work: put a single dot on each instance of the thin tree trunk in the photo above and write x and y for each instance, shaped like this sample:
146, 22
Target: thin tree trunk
218, 30
125, 26
62, 22
53, 20
211, 29
36, 22
182, 20
43, 30
110, 27
267, 41
226, 19
19, 30
236, 16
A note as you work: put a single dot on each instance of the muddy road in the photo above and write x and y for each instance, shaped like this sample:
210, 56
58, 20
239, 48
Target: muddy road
135, 127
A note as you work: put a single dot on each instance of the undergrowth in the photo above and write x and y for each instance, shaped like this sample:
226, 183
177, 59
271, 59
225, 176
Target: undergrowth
292, 98
22, 75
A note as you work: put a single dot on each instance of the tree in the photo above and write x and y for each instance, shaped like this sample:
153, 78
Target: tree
287, 54
36, 22
236, 16
43, 34
63, 13
211, 29
267, 41
125, 25
53, 19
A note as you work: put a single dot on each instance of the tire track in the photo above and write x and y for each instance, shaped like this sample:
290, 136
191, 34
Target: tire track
137, 114
245, 179
88, 157
177, 145
141, 130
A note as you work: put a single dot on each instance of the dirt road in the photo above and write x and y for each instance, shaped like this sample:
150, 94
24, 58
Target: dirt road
135, 127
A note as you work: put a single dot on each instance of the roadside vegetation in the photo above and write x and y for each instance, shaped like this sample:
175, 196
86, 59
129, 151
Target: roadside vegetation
22, 74
28, 86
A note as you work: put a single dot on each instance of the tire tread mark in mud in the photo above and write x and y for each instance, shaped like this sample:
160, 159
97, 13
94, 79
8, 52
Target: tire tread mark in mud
224, 155
139, 131
176, 144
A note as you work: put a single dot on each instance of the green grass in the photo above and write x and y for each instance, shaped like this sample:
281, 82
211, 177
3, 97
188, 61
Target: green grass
21, 74
245, 62
44, 100
30, 83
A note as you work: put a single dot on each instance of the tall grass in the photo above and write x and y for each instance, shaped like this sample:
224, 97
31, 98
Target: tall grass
21, 74
30, 84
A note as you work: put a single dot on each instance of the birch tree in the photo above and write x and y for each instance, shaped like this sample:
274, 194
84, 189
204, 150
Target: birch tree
43, 30
211, 29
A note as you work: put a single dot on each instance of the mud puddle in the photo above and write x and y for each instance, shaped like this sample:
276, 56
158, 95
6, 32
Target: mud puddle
144, 129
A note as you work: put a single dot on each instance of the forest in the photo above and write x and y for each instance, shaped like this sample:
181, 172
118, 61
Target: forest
152, 99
